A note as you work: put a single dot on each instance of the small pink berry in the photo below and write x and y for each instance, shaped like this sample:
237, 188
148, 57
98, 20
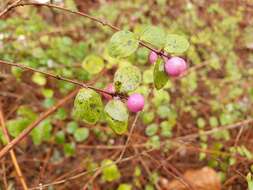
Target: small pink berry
152, 57
135, 103
109, 88
175, 66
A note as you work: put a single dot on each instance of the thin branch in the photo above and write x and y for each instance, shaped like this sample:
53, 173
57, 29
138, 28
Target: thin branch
8, 7
144, 152
5, 182
58, 77
215, 130
146, 167
43, 116
95, 19
12, 153
129, 136
85, 187
90, 171
161, 164
238, 136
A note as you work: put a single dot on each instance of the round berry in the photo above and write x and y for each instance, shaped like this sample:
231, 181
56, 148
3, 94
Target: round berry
175, 66
152, 57
135, 103
109, 88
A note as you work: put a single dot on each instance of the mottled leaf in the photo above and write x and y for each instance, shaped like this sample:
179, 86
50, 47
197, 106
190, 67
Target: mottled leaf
119, 127
176, 44
127, 79
93, 64
110, 171
122, 44
117, 110
88, 106
154, 35
81, 134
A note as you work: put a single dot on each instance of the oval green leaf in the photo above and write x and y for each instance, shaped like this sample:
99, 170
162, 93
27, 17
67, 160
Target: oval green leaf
127, 79
110, 171
117, 110
176, 44
122, 44
81, 134
154, 35
93, 64
159, 75
118, 127
88, 106
124, 187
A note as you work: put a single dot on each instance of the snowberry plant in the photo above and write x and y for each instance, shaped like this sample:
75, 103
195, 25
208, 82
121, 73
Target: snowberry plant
120, 97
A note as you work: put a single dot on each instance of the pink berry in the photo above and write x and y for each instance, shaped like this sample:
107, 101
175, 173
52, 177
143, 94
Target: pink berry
135, 102
109, 88
175, 66
152, 57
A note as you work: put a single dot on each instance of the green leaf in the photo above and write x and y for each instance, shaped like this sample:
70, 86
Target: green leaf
154, 142
88, 106
117, 110
69, 149
48, 102
164, 111
142, 55
151, 129
61, 114
124, 187
201, 122
148, 117
26, 112
148, 76
213, 121
161, 97
93, 64
119, 127
160, 77
122, 44
110, 171
42, 132
47, 93
149, 187
154, 35
249, 181
60, 137
72, 127
16, 126
127, 79
3, 139
39, 79
176, 44
166, 129
81, 134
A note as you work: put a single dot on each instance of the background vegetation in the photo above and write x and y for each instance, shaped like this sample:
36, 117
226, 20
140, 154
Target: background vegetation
200, 119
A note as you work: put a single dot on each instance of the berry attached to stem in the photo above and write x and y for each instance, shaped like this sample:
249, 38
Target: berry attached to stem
152, 57
175, 66
109, 88
135, 103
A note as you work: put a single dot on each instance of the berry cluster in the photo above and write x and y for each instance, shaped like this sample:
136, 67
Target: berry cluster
135, 102
174, 66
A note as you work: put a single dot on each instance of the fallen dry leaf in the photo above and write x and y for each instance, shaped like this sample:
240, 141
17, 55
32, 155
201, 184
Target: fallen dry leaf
202, 179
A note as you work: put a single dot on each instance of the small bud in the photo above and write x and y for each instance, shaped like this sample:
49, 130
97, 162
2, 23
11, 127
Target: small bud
135, 103
152, 57
175, 66
109, 88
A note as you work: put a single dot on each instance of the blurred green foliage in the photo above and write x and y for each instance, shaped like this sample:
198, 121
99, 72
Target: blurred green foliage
216, 94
